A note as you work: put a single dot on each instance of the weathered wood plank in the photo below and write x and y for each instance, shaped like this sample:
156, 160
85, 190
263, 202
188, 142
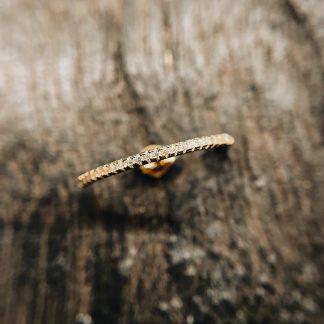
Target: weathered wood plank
231, 236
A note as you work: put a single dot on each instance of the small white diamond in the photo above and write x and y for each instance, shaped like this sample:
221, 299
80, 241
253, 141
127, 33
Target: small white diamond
201, 141
163, 151
112, 167
105, 169
152, 154
145, 158
196, 143
119, 164
136, 159
181, 147
99, 171
92, 175
128, 162
186, 146
173, 149
190, 144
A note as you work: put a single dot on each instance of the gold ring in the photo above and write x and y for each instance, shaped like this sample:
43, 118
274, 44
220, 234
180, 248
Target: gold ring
155, 159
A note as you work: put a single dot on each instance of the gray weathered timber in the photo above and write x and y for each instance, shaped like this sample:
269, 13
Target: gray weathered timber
228, 236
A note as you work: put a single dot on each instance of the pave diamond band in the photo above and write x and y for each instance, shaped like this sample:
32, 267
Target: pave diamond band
154, 155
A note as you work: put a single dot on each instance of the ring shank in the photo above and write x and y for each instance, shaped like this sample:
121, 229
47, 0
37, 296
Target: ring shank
154, 155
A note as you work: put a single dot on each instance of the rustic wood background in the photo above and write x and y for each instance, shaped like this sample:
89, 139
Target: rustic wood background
232, 236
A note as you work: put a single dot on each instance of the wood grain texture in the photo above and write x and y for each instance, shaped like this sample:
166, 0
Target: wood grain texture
225, 237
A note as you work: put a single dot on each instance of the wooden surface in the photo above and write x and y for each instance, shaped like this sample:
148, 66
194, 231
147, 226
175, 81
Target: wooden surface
232, 236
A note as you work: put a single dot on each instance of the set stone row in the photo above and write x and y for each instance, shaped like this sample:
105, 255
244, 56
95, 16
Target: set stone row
155, 155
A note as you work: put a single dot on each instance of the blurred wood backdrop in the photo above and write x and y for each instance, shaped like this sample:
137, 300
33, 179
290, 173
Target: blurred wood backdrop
229, 237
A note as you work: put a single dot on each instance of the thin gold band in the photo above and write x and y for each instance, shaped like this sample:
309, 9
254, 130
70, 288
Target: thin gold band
154, 155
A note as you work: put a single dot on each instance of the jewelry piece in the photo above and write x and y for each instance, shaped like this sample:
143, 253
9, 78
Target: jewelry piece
159, 168
155, 160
